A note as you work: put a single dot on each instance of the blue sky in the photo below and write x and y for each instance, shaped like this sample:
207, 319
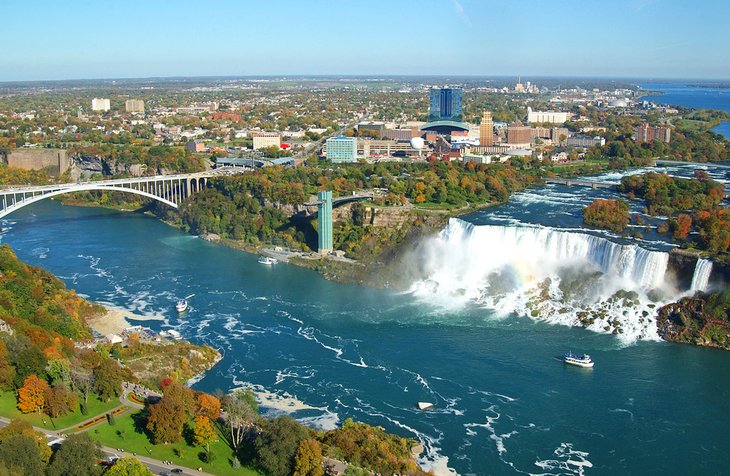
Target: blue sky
70, 39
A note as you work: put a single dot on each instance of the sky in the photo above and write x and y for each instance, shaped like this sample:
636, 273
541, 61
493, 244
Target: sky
94, 39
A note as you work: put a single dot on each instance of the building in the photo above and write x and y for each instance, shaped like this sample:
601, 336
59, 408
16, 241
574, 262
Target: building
519, 134
486, 130
100, 104
649, 134
385, 147
371, 128
195, 146
445, 105
550, 117
341, 149
559, 135
407, 133
55, 161
585, 142
261, 140
479, 159
134, 105
444, 113
226, 116
324, 222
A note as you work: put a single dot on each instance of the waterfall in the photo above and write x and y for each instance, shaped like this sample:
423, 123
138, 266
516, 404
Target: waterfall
701, 276
548, 274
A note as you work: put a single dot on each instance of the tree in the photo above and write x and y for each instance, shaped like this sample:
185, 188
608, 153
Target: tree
208, 406
7, 371
167, 417
58, 401
682, 226
241, 413
22, 427
32, 395
203, 432
128, 466
82, 380
21, 451
58, 371
30, 360
108, 379
277, 445
308, 460
77, 456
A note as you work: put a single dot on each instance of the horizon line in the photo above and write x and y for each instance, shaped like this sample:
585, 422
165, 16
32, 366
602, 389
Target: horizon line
368, 76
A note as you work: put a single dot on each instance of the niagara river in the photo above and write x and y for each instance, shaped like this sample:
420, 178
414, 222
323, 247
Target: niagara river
480, 334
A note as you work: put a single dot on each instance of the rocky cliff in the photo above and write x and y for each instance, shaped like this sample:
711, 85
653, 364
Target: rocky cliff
702, 320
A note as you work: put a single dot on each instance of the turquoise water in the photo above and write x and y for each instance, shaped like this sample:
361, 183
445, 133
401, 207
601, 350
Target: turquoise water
676, 94
505, 404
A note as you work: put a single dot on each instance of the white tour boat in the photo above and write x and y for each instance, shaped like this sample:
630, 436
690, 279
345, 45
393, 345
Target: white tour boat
182, 305
583, 360
267, 260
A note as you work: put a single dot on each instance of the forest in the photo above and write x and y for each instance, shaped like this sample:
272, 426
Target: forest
691, 205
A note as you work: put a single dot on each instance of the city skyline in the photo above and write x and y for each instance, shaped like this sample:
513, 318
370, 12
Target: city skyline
633, 38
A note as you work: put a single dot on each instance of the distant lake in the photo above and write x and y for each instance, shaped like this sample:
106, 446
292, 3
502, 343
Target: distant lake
692, 96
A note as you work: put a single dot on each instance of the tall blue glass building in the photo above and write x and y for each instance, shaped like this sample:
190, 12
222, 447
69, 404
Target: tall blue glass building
445, 105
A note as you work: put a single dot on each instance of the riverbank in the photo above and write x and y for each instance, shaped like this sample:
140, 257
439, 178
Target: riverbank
116, 320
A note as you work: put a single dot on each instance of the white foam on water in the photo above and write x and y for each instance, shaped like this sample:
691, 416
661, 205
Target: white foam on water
40, 252
569, 461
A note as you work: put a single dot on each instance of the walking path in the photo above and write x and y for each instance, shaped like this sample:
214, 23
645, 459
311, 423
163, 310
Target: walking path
155, 465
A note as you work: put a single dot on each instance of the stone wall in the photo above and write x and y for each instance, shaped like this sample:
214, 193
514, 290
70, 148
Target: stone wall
54, 160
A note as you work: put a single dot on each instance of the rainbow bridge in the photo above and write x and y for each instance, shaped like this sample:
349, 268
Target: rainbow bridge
168, 189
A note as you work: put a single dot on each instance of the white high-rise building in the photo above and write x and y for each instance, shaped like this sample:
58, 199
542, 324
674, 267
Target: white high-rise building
100, 104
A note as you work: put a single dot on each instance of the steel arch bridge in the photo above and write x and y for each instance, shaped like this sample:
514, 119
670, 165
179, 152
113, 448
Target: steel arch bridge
168, 189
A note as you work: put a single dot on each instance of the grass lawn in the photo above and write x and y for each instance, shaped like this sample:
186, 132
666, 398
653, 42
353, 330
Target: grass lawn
9, 409
124, 435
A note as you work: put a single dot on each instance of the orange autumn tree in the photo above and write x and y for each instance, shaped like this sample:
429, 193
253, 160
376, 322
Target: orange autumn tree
208, 406
31, 396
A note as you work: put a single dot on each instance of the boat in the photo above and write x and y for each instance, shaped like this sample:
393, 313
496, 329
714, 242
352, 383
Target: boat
182, 305
267, 260
424, 405
583, 360
171, 334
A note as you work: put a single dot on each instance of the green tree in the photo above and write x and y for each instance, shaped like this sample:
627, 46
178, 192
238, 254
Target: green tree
29, 360
22, 427
277, 445
21, 451
128, 466
77, 456
59, 372
108, 379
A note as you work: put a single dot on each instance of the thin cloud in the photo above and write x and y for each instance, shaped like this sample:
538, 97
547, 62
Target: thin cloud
459, 9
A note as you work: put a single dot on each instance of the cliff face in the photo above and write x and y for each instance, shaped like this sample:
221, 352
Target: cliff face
83, 167
681, 267
698, 320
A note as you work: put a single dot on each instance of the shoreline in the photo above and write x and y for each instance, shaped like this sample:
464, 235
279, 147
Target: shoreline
116, 319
